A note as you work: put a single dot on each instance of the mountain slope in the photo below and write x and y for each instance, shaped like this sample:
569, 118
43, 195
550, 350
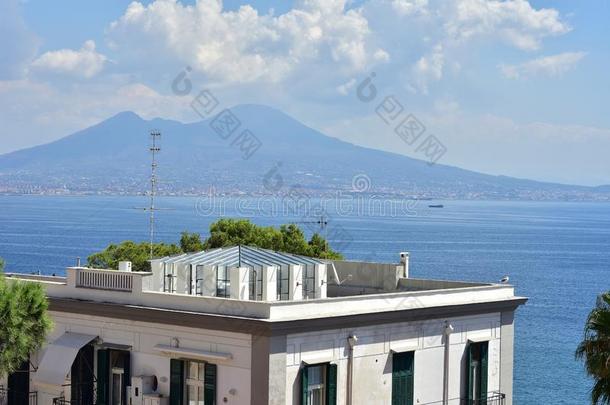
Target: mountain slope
112, 157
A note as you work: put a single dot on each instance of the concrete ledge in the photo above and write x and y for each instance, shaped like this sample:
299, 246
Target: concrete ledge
263, 327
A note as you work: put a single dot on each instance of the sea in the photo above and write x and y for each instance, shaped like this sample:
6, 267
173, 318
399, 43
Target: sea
555, 253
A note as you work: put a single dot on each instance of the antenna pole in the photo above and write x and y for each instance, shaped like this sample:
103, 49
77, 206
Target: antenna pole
154, 149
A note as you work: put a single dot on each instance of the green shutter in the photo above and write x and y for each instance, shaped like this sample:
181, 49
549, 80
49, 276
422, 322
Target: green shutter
469, 382
331, 384
126, 361
484, 376
209, 393
176, 382
103, 375
304, 384
410, 378
402, 378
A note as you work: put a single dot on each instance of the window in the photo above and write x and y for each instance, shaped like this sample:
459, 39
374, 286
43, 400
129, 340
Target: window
113, 376
118, 386
223, 285
402, 378
192, 383
256, 285
198, 280
476, 373
283, 283
195, 377
319, 384
309, 281
169, 279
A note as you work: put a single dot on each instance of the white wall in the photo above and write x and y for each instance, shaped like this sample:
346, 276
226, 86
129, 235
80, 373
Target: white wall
145, 360
373, 358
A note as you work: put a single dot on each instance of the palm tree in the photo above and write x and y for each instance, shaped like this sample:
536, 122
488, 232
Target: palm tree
24, 322
594, 350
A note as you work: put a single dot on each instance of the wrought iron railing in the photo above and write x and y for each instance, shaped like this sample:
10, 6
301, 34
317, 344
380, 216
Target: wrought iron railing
493, 398
64, 401
82, 394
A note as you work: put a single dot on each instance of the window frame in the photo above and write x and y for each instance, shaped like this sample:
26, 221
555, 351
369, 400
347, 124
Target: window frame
225, 281
329, 393
481, 351
403, 376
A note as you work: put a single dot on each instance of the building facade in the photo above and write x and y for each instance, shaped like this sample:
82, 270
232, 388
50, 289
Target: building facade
248, 326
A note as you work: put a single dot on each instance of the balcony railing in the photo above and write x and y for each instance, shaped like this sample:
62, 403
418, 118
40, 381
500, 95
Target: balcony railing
105, 279
493, 398
85, 394
30, 398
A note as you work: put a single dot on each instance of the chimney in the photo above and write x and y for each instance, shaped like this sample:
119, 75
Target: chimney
125, 266
78, 262
404, 260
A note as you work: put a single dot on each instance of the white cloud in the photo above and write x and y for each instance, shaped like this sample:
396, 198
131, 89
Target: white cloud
243, 46
85, 62
554, 65
410, 7
321, 41
346, 87
429, 68
515, 22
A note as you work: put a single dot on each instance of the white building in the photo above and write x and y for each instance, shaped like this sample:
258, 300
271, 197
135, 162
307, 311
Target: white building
244, 325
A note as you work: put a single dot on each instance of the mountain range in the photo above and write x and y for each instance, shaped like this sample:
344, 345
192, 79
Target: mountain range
275, 154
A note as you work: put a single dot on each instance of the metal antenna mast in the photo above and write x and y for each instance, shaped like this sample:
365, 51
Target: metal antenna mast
152, 208
154, 149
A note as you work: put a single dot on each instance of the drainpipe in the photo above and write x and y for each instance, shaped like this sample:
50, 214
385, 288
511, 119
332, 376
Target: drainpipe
351, 342
447, 334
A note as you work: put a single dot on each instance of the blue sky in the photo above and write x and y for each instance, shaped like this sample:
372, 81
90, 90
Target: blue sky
510, 87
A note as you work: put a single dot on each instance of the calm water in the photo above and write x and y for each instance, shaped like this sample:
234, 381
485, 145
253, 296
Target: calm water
557, 254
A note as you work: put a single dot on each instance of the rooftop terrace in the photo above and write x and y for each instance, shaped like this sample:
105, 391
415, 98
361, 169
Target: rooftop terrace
255, 284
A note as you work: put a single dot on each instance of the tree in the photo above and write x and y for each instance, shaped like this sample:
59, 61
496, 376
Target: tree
594, 349
137, 253
24, 322
223, 233
319, 247
191, 242
288, 238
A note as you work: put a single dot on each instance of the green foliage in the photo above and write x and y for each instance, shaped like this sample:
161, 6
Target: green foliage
137, 253
289, 238
223, 233
319, 247
594, 349
24, 322
191, 242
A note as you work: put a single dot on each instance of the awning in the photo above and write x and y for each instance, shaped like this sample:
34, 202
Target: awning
194, 354
58, 358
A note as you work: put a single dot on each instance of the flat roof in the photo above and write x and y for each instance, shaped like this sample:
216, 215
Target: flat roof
247, 256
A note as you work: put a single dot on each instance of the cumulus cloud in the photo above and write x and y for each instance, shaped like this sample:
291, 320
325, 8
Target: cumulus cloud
553, 66
515, 22
429, 68
85, 62
244, 46
453, 27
